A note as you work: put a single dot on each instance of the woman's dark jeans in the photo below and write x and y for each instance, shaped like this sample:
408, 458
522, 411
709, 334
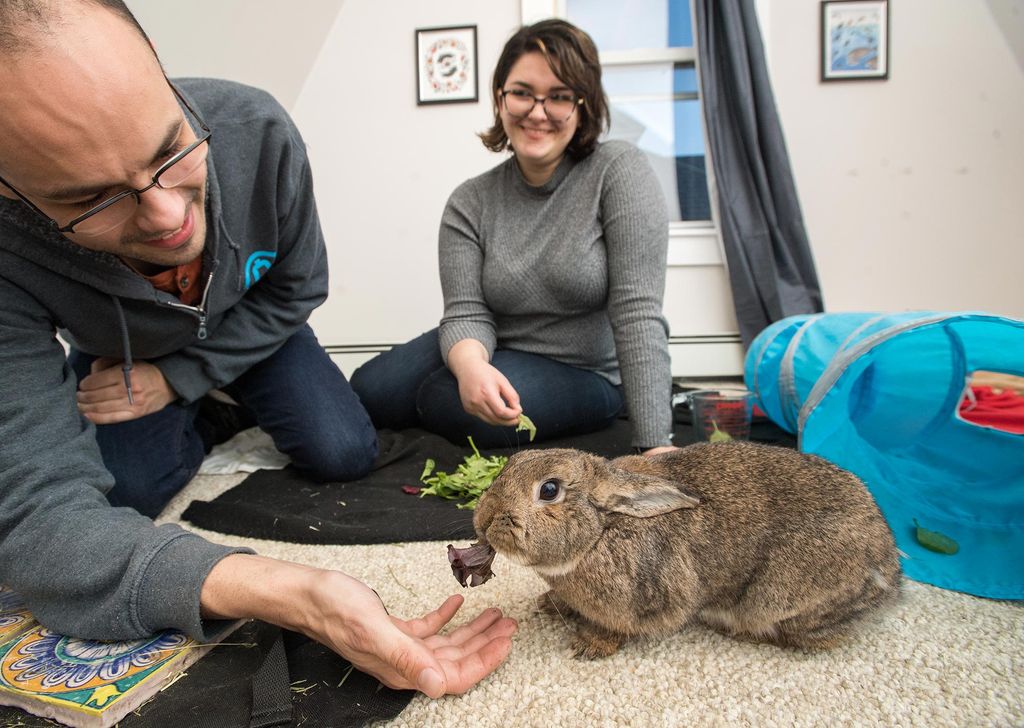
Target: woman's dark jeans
410, 386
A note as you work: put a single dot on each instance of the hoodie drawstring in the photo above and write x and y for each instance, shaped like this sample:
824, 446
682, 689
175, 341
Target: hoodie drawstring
238, 262
126, 348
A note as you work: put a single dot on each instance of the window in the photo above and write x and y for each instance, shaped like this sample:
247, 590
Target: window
649, 64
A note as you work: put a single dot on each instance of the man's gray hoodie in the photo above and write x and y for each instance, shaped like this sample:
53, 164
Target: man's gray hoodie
82, 566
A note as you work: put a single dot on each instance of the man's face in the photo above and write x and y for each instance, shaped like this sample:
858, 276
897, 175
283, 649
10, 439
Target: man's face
88, 114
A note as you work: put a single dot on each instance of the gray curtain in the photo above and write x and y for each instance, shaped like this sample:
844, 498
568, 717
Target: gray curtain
771, 269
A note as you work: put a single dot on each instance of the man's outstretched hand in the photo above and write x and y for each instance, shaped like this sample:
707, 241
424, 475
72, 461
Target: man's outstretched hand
414, 655
346, 615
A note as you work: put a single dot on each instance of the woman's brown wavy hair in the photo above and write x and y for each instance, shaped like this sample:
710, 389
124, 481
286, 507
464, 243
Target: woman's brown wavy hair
572, 57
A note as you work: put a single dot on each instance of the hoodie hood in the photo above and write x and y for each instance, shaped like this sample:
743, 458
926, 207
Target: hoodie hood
260, 218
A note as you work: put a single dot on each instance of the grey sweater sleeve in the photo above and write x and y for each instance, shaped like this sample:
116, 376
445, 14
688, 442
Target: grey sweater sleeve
82, 567
461, 257
635, 222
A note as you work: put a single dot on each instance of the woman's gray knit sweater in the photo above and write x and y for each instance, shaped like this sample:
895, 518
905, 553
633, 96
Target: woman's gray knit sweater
573, 270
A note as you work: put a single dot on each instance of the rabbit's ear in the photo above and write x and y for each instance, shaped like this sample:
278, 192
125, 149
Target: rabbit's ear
643, 496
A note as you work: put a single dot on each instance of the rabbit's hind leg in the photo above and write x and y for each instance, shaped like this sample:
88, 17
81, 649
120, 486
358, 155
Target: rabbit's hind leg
800, 631
821, 638
826, 629
739, 626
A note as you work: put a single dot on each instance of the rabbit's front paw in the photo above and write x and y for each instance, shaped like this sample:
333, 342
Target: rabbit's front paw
591, 643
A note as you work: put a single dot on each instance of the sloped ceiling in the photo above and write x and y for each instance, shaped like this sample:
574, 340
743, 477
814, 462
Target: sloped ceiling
264, 43
1009, 16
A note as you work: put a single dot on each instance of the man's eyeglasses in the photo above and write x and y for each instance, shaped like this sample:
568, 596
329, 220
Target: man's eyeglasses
558, 106
115, 210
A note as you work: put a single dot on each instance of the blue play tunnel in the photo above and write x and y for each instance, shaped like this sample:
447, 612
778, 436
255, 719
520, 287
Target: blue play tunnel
879, 395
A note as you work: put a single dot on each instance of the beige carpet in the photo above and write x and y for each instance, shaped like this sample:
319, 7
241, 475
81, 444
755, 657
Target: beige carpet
939, 658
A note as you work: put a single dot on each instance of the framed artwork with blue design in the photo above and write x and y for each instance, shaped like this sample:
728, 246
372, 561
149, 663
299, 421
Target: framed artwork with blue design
854, 40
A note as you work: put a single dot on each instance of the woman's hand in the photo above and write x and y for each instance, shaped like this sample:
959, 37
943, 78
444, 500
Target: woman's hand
485, 392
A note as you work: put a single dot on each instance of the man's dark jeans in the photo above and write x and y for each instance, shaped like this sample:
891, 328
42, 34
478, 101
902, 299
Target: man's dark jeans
297, 395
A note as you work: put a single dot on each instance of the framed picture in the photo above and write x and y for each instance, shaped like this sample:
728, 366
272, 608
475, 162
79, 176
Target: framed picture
446, 70
854, 40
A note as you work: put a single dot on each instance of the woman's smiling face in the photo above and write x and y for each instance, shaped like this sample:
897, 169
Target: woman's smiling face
538, 142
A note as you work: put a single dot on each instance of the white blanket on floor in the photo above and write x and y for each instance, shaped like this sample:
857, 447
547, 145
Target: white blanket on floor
246, 452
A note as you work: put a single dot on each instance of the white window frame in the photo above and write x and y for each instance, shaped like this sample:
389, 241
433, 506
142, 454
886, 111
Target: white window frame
691, 242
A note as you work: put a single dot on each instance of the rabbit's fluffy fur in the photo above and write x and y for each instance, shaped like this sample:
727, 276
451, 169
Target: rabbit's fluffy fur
763, 543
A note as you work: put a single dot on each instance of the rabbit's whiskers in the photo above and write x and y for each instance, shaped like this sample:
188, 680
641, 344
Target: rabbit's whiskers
558, 611
453, 529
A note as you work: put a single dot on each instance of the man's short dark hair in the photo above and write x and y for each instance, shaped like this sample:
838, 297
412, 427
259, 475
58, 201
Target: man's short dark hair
21, 21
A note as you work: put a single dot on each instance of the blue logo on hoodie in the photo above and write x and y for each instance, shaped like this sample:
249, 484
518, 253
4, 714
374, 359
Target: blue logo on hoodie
258, 264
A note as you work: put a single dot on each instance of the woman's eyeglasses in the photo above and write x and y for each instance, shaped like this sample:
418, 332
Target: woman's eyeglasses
558, 106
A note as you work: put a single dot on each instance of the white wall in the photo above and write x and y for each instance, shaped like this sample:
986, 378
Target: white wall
383, 166
252, 41
912, 188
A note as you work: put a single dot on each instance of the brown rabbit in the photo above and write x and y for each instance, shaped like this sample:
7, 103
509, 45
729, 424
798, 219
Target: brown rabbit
760, 542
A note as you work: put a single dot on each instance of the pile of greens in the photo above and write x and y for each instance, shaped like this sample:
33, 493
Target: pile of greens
472, 477
469, 481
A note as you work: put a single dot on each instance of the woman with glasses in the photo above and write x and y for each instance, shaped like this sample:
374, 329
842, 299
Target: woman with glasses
552, 268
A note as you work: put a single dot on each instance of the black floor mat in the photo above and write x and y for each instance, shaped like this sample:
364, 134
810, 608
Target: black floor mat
283, 505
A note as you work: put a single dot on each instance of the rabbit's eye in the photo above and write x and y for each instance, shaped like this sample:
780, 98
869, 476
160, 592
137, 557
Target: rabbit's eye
549, 490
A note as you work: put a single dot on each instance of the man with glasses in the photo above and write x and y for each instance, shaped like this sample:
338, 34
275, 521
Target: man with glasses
169, 233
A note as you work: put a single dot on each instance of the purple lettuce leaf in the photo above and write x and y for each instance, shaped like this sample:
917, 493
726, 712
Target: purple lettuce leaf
472, 564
